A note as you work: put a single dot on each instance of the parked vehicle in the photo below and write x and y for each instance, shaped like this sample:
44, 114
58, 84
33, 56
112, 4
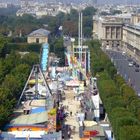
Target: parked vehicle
123, 53
137, 65
137, 70
134, 63
130, 64
129, 59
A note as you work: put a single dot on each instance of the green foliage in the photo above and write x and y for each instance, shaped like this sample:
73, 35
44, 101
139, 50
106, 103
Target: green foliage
23, 47
89, 11
114, 101
99, 60
8, 11
27, 23
3, 42
30, 58
134, 106
114, 12
18, 39
104, 13
11, 83
13, 76
120, 117
58, 48
119, 99
128, 93
119, 80
70, 28
124, 121
103, 76
17, 25
21, 73
107, 88
7, 64
73, 16
130, 132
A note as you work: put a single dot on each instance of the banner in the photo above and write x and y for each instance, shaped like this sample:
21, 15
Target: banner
52, 120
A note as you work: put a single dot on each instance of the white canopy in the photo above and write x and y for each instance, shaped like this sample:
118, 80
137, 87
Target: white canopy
41, 89
72, 83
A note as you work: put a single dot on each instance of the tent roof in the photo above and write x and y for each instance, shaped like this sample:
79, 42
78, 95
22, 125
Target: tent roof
89, 123
31, 119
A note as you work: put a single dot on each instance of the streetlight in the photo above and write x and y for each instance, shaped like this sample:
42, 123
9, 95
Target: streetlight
72, 52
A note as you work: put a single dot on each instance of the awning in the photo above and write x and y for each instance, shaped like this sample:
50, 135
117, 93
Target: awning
42, 90
89, 123
72, 83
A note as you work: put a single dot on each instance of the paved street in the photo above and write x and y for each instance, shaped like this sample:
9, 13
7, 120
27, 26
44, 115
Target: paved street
130, 75
74, 107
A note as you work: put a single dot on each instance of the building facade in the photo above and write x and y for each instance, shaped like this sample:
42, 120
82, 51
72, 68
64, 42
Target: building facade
38, 36
114, 32
108, 31
131, 39
135, 19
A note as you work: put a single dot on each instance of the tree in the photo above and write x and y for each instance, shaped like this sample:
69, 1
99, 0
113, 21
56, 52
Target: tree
3, 41
58, 48
130, 132
134, 106
120, 100
89, 11
30, 58
114, 12
70, 28
11, 83
115, 116
4, 94
119, 80
104, 13
124, 121
128, 94
114, 101
73, 16
87, 32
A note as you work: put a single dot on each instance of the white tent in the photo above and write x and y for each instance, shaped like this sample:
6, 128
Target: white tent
89, 123
96, 102
72, 83
41, 89
54, 85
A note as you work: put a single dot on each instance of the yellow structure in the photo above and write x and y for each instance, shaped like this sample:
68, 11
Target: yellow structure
38, 36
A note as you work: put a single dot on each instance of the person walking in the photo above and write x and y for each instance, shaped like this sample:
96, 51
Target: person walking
70, 113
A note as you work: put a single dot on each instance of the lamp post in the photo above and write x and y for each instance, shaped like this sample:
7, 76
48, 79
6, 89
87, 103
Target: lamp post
73, 56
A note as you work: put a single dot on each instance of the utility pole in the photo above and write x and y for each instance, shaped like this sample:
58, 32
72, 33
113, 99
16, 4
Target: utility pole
80, 35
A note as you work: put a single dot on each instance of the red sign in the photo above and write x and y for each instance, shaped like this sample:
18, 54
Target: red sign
91, 133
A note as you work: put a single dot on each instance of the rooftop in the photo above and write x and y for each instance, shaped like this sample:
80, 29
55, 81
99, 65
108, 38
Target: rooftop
40, 32
98, 128
31, 119
136, 27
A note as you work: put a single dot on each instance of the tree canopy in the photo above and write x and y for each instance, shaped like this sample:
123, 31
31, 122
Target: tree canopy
13, 76
27, 23
119, 99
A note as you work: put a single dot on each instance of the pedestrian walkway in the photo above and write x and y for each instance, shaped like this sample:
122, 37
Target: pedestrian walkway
73, 107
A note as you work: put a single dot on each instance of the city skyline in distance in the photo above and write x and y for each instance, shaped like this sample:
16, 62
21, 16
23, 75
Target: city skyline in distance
82, 1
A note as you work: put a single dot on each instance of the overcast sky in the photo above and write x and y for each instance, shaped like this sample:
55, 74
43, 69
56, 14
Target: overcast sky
77, 1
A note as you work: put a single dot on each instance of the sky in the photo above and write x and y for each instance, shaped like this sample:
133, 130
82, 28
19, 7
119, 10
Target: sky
78, 1
118, 1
